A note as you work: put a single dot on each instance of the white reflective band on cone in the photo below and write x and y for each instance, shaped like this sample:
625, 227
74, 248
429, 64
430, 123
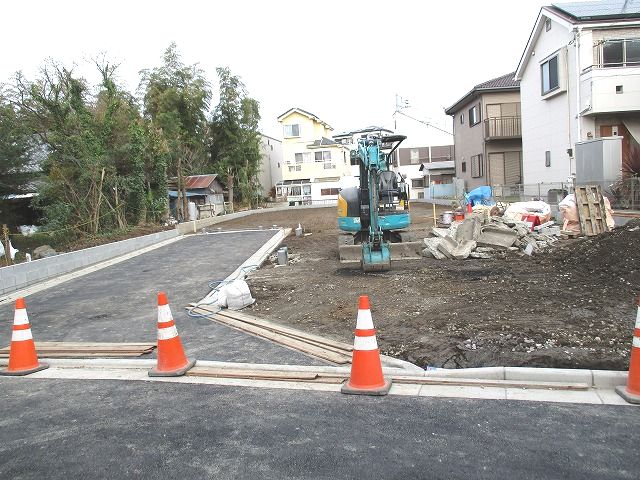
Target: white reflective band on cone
636, 342
164, 314
20, 317
21, 335
365, 343
364, 321
167, 333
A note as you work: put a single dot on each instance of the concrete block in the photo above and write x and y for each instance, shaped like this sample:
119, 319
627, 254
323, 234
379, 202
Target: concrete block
469, 229
497, 237
609, 378
567, 375
431, 245
447, 246
440, 232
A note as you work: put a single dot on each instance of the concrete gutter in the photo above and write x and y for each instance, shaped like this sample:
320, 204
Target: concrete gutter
600, 391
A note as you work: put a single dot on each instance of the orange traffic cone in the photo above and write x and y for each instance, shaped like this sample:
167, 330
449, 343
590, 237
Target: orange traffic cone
172, 362
631, 393
22, 352
366, 370
469, 207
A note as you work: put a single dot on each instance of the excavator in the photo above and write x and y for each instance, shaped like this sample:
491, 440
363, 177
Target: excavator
373, 217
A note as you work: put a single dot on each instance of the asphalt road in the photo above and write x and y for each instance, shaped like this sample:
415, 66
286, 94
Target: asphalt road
122, 429
119, 303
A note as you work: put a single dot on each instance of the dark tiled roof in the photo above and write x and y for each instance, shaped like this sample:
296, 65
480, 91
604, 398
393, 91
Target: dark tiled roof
505, 81
600, 9
324, 141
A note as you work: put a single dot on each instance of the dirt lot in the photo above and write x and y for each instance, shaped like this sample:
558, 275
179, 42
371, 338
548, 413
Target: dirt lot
572, 307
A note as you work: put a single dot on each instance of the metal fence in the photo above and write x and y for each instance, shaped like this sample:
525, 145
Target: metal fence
623, 194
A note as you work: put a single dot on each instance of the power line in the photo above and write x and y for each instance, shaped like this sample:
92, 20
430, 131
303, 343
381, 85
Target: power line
428, 124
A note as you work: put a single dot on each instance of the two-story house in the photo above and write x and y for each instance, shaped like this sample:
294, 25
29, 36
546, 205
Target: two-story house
487, 133
579, 80
424, 166
313, 164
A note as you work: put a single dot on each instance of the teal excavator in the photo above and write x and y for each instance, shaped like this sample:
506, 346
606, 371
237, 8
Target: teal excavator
374, 217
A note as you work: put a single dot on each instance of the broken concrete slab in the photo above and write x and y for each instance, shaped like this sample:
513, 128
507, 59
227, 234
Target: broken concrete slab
495, 236
447, 246
457, 250
469, 229
439, 232
431, 245
479, 255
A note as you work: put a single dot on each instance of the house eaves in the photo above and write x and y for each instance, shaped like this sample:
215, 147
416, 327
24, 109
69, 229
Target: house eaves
306, 114
570, 23
504, 83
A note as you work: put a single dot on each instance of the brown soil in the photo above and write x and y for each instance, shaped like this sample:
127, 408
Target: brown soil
573, 306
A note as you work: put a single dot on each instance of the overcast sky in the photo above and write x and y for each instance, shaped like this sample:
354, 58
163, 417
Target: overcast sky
343, 60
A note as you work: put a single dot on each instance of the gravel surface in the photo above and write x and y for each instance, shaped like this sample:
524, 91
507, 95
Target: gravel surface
573, 306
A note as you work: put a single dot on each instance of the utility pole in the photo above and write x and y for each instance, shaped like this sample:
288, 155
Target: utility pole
401, 104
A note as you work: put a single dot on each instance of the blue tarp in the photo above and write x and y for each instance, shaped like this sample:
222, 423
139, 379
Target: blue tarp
174, 194
480, 196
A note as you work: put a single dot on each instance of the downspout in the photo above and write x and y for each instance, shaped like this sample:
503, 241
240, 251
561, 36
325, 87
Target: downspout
577, 36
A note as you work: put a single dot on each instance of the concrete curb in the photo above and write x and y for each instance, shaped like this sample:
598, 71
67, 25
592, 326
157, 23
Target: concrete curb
605, 379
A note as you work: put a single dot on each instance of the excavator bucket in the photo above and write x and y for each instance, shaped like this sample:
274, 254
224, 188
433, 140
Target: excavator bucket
398, 251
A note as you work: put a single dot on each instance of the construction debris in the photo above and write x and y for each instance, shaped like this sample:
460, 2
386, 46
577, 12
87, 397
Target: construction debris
481, 236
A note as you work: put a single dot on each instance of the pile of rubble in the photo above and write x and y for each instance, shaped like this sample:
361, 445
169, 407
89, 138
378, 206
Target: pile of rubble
481, 236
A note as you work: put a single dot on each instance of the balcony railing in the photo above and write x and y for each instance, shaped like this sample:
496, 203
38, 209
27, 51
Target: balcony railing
502, 127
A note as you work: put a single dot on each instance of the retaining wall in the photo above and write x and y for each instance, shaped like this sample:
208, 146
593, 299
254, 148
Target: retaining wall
195, 225
22, 275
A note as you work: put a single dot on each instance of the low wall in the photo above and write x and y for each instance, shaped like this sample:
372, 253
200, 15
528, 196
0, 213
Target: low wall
22, 275
196, 225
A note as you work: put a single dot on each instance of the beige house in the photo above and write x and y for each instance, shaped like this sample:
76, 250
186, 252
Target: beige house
487, 133
313, 164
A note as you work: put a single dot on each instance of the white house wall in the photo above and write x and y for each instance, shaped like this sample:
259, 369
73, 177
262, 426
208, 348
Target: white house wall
548, 124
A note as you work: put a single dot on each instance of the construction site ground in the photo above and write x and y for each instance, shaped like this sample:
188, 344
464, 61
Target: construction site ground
572, 306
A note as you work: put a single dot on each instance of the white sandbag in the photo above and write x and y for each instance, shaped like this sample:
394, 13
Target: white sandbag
234, 296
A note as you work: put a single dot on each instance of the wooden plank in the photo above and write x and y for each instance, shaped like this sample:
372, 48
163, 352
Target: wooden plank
319, 377
81, 348
293, 343
83, 354
591, 209
316, 339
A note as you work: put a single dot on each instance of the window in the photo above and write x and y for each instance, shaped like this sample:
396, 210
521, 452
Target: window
306, 189
295, 168
474, 115
329, 191
329, 166
462, 119
477, 167
292, 130
550, 75
547, 158
323, 155
417, 182
464, 167
618, 89
415, 156
620, 53
304, 157
547, 24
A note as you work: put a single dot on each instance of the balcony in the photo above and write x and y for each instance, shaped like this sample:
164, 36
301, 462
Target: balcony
502, 128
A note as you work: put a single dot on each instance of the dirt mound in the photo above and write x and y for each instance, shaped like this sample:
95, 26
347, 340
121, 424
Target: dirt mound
616, 253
